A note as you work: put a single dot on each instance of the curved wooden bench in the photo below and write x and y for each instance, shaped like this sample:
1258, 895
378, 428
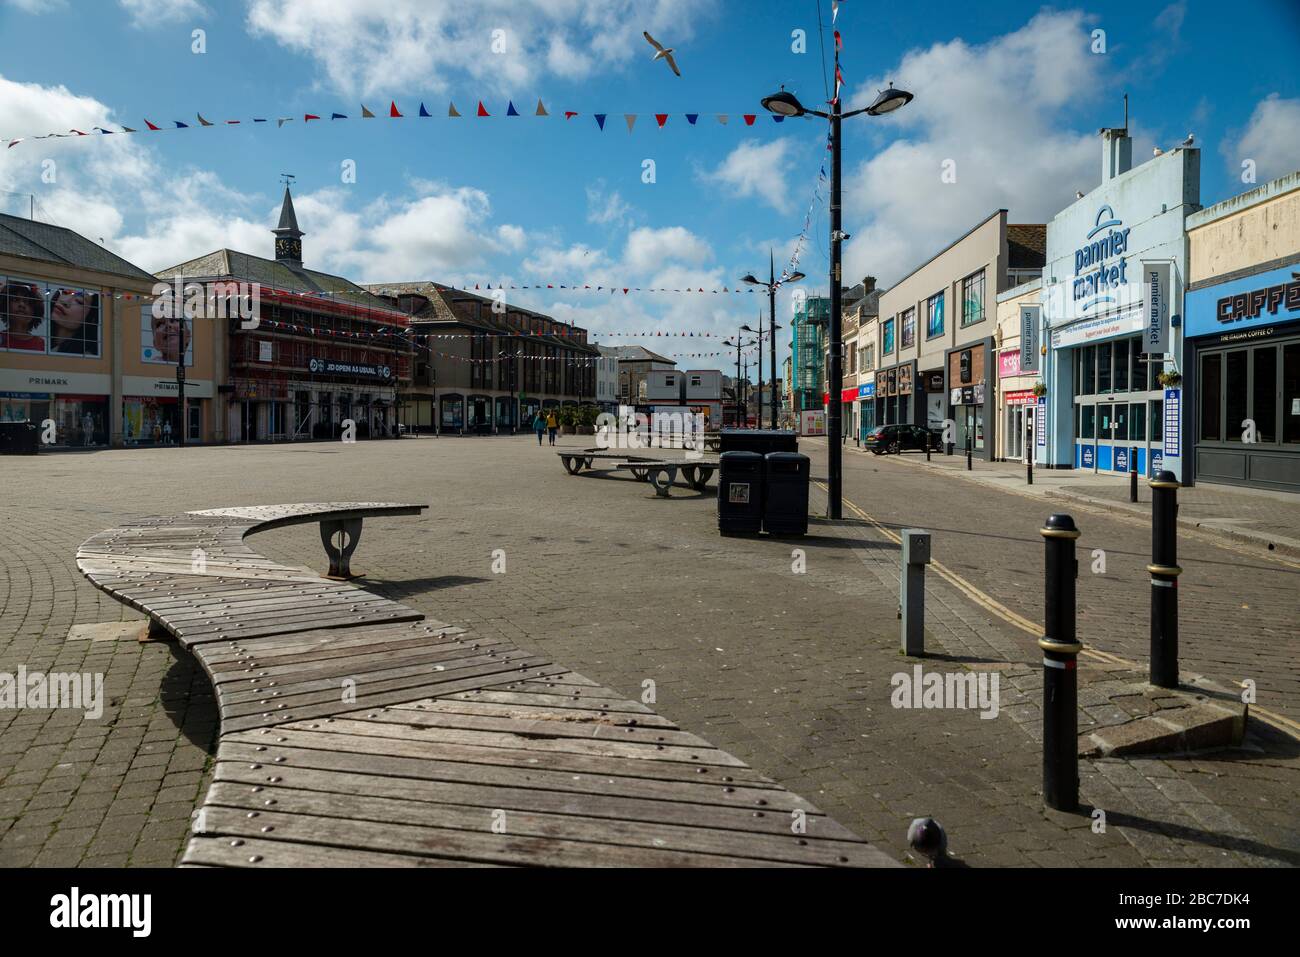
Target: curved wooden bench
355, 732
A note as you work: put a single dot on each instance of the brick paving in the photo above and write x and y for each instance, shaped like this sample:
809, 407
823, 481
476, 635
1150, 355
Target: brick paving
788, 670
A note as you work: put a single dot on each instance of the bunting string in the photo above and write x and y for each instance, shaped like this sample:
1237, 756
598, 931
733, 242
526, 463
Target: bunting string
661, 120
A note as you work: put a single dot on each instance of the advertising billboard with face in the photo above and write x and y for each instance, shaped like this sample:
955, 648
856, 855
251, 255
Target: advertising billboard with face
40, 317
160, 338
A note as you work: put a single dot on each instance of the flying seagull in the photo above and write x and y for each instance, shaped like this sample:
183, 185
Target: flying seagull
662, 54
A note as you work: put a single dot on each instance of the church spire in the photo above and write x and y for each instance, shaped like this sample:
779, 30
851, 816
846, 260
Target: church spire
288, 237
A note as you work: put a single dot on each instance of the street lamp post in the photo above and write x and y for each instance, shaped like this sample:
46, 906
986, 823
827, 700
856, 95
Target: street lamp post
736, 394
772, 285
784, 103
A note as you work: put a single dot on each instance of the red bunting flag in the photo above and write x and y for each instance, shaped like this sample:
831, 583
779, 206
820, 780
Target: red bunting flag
749, 118
481, 110
150, 125
310, 116
569, 114
839, 42
392, 109
661, 119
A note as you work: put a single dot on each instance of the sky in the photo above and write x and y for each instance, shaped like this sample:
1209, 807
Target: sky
1008, 96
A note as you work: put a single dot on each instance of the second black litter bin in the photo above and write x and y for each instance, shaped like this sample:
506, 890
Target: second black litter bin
18, 438
740, 493
785, 495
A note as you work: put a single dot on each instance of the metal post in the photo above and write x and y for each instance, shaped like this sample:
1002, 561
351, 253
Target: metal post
1133, 474
1060, 669
835, 453
1029, 452
911, 598
968, 448
771, 326
1164, 580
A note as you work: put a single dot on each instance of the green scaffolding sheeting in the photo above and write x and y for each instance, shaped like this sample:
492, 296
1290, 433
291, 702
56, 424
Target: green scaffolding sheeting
808, 348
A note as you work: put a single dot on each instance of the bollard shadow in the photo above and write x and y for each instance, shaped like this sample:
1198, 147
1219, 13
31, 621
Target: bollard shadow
957, 659
408, 587
1196, 835
186, 695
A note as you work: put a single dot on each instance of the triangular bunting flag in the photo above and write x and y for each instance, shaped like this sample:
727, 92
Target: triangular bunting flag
423, 111
150, 125
337, 116
541, 110
308, 117
232, 122
510, 108
569, 114
451, 110
600, 120
661, 119
127, 129
777, 118
722, 118
283, 120
202, 121
179, 126
100, 129
631, 120
692, 117
482, 111
839, 42
365, 113
392, 109
749, 118
13, 143
259, 119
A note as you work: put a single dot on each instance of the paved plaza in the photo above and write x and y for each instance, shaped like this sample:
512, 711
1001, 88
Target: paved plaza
780, 651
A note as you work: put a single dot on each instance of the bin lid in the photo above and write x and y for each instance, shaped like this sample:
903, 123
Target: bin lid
741, 456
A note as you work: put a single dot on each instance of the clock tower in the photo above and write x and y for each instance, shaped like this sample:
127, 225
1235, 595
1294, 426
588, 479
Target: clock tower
288, 237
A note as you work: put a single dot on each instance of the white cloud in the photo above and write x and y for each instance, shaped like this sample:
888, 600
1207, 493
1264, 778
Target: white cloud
153, 13
1271, 138
363, 47
1027, 158
607, 208
758, 170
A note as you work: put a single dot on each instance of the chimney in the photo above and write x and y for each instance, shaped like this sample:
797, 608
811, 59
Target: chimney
1116, 153
868, 283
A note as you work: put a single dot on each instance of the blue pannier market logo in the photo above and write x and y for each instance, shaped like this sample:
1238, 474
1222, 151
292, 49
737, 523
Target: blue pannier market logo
1103, 277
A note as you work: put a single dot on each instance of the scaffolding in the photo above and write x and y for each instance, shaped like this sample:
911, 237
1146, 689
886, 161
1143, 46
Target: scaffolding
808, 347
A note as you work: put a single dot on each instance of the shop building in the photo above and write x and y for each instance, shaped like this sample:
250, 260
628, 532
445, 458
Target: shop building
1241, 369
607, 378
1016, 397
1111, 404
81, 347
321, 352
635, 363
491, 365
936, 331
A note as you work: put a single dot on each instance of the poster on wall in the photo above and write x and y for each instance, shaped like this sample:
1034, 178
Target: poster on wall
22, 315
39, 317
812, 422
1040, 422
1173, 440
160, 339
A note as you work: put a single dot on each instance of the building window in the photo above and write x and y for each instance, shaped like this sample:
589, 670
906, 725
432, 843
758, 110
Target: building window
887, 337
934, 316
909, 329
972, 299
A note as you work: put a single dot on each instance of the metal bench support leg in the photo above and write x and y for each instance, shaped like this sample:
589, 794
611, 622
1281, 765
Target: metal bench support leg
349, 533
663, 479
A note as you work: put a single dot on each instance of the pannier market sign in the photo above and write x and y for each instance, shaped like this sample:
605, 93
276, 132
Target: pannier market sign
1097, 274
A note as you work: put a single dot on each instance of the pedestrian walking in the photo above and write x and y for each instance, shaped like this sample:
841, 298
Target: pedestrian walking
539, 426
552, 425
167, 432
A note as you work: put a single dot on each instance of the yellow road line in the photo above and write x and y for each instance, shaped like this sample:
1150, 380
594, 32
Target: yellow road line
991, 604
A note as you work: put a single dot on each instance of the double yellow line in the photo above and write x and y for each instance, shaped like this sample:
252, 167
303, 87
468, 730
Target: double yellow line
995, 607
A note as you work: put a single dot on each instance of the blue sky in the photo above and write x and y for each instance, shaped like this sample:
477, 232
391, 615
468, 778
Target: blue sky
1012, 93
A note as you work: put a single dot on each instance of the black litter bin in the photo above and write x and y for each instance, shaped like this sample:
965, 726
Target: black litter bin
19, 438
785, 501
761, 441
740, 493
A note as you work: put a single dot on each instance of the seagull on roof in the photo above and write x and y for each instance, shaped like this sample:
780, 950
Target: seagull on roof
662, 54
1187, 143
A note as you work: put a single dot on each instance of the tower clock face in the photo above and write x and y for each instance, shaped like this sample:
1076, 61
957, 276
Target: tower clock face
286, 248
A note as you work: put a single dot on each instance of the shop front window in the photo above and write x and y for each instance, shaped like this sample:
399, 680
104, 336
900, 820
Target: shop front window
1235, 395
1088, 372
1211, 386
1121, 365
1291, 393
1103, 367
1087, 421
1264, 394
1157, 429
1137, 422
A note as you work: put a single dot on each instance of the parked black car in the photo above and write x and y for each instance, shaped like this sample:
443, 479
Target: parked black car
897, 438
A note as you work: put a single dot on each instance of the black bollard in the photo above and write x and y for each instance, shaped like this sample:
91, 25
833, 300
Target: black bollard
1133, 474
1060, 671
1029, 453
968, 453
1164, 580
